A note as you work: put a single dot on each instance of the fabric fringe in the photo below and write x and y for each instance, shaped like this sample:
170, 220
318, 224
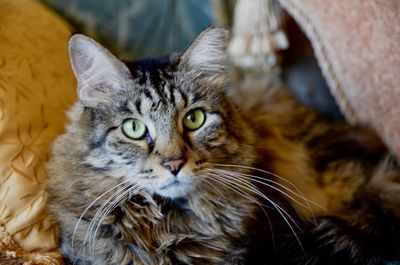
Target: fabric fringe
257, 34
12, 254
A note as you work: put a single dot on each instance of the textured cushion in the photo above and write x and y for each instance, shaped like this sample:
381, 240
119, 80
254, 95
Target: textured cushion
36, 87
357, 44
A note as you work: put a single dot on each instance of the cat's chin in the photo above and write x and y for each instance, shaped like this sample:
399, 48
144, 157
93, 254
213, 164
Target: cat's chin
176, 189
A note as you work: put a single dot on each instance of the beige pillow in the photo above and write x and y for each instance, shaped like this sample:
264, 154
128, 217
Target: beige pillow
357, 44
36, 87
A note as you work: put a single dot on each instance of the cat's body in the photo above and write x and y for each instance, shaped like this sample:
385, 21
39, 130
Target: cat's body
178, 195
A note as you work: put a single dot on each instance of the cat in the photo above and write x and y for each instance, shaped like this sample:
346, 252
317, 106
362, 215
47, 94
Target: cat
165, 162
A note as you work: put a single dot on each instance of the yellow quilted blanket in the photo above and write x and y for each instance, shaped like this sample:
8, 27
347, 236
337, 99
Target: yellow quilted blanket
36, 87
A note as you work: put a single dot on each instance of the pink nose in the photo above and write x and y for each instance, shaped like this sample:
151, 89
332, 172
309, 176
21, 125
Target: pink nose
173, 165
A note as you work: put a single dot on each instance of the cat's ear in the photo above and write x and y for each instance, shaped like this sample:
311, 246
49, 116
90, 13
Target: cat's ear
100, 75
206, 56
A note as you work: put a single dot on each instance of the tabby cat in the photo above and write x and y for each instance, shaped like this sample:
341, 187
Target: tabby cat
163, 162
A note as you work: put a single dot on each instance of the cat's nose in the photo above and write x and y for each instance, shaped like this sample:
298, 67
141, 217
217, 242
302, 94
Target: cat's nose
173, 164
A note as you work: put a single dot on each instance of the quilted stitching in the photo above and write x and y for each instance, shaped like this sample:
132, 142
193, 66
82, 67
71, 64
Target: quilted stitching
36, 87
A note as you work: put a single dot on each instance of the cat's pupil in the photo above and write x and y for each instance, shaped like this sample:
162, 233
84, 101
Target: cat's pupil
134, 127
191, 117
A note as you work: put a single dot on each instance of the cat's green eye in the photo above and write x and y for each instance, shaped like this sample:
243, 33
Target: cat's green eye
134, 129
194, 119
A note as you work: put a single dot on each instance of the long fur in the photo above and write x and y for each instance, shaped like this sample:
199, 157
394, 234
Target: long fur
271, 182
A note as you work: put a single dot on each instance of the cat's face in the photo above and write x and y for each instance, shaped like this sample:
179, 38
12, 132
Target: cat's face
161, 128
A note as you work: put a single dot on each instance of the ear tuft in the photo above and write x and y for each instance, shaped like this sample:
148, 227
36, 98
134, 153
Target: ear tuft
99, 73
207, 54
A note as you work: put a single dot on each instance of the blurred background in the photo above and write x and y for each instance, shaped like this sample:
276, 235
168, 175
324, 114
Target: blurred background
138, 28
134, 29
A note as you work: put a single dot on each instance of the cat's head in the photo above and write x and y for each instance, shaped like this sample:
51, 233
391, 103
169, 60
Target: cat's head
161, 126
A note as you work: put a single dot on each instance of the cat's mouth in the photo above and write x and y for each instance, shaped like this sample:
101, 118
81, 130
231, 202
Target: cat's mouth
176, 183
175, 188
173, 183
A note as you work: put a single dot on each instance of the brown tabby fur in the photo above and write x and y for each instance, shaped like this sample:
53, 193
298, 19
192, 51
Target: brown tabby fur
220, 221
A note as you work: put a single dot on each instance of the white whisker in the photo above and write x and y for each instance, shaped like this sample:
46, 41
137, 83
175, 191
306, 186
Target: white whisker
107, 211
255, 190
299, 192
98, 214
87, 208
249, 177
235, 189
90, 206
238, 191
